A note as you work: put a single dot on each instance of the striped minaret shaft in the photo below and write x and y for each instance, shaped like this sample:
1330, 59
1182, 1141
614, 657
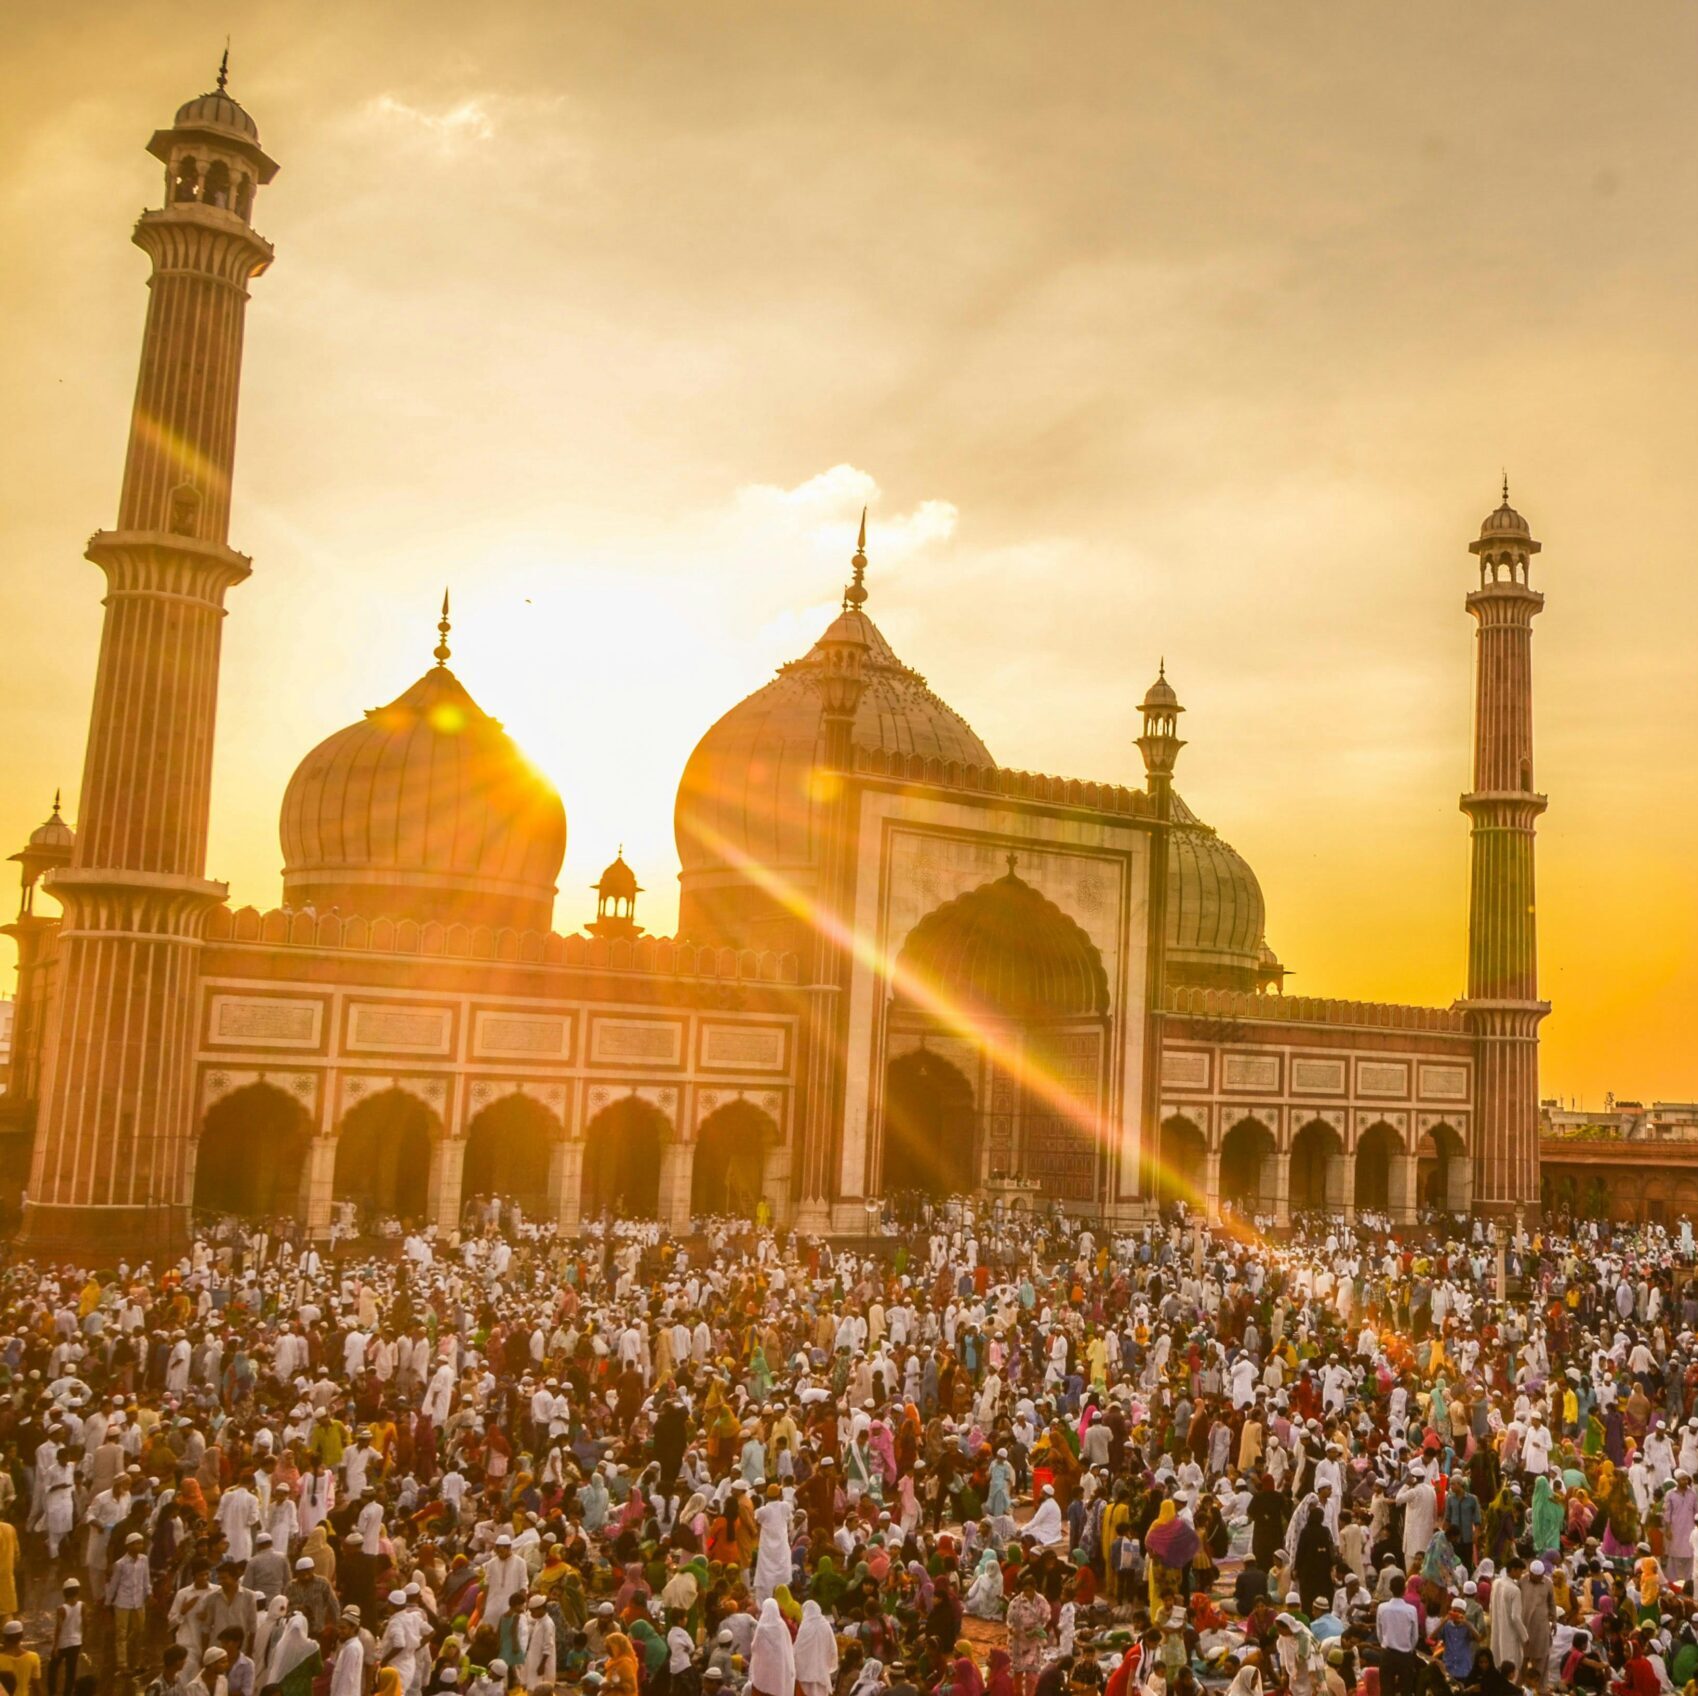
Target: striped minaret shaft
1503, 808
111, 1166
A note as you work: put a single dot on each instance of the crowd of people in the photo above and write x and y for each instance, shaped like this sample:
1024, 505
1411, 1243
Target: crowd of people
1028, 1458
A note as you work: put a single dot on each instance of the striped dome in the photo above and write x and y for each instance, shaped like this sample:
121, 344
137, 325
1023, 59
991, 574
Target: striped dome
1215, 914
425, 809
1003, 951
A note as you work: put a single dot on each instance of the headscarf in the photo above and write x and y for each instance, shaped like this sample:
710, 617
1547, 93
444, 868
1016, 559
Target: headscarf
649, 1643
772, 1656
787, 1604
293, 1647
871, 1680
388, 1681
964, 1678
1000, 1681
815, 1649
621, 1661
1172, 1539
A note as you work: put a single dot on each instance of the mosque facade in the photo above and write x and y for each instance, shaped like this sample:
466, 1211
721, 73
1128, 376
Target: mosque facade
900, 967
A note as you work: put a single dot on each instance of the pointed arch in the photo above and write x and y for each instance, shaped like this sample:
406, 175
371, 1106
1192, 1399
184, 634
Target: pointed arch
509, 1148
1249, 1159
252, 1152
1179, 1168
732, 1147
1316, 1171
383, 1150
622, 1147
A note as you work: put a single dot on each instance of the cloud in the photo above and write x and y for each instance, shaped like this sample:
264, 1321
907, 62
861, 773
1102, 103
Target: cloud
471, 120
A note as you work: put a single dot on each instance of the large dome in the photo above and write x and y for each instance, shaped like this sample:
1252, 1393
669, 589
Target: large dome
748, 794
1005, 951
426, 809
1215, 914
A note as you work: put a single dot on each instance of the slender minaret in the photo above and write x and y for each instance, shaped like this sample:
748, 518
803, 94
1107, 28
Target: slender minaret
111, 1162
1503, 806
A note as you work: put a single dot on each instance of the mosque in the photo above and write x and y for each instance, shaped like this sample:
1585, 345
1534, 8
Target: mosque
900, 965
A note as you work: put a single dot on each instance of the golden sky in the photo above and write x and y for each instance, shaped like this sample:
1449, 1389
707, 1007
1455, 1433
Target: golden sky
1145, 329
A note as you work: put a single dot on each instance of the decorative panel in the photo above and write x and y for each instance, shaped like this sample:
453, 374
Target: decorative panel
758, 1048
1317, 1077
266, 1021
1185, 1068
1444, 1083
1382, 1077
523, 1036
637, 1042
411, 1030
1250, 1071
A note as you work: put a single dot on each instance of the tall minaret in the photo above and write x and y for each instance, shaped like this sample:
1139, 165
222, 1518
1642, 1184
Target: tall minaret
111, 1162
1503, 958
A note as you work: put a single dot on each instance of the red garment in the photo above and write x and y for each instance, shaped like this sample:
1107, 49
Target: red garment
1639, 1679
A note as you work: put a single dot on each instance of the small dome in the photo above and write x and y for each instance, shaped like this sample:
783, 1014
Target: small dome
217, 111
1215, 912
1160, 696
1505, 521
618, 882
1005, 951
425, 809
54, 834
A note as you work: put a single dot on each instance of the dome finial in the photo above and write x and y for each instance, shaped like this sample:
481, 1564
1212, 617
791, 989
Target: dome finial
442, 631
224, 66
856, 594
1506, 486
1013, 861
56, 803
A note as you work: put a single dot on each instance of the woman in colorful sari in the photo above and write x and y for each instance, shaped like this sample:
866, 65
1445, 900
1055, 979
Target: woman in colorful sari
1442, 1575
1621, 1520
1548, 1519
620, 1675
760, 1374
1170, 1545
1502, 1525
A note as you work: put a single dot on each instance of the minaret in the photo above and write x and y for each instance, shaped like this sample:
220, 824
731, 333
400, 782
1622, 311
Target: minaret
1159, 744
1503, 806
841, 684
111, 1163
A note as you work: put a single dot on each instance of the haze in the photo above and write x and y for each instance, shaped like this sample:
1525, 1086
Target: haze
1144, 330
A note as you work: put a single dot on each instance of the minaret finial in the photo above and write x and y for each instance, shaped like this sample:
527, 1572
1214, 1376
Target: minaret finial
442, 631
1506, 487
856, 594
224, 66
1161, 669
56, 803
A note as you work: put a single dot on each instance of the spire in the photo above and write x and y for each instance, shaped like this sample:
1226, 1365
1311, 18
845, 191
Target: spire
224, 66
56, 804
855, 596
1506, 487
442, 632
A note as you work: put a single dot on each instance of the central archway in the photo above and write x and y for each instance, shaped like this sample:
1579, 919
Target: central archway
622, 1147
252, 1152
1316, 1157
508, 1149
930, 1128
1248, 1159
383, 1155
731, 1150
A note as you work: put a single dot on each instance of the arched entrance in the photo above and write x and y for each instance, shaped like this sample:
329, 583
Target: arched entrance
251, 1153
1379, 1164
508, 1149
1248, 1168
1444, 1179
383, 1155
930, 1127
1178, 1171
1317, 1156
731, 1149
622, 1160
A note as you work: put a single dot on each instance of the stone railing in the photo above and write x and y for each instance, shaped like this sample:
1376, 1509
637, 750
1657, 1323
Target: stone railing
657, 955
1001, 780
1242, 1004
